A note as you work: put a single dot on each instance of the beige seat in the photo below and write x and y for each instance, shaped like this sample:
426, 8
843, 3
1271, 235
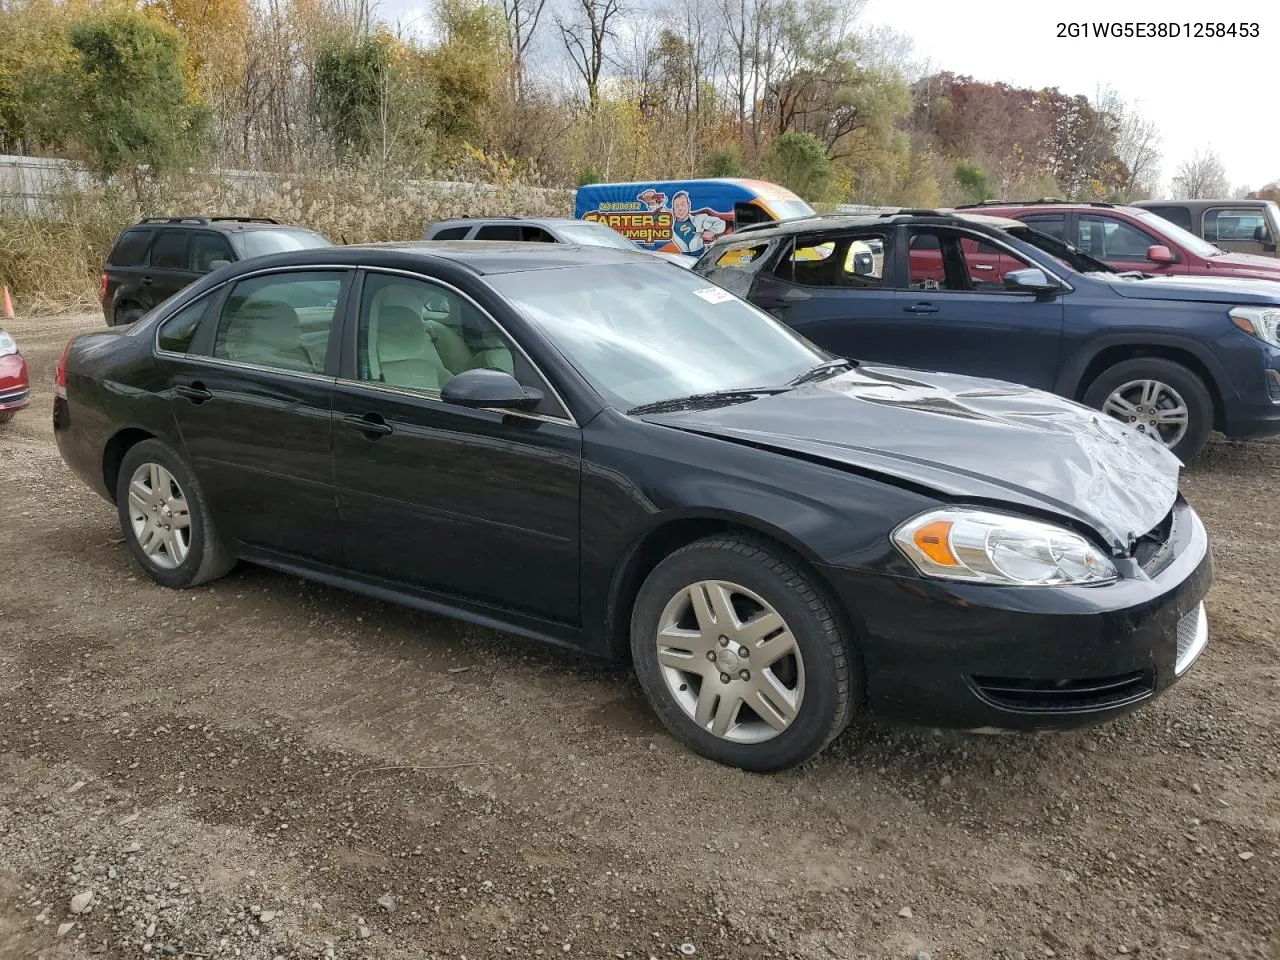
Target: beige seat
402, 355
267, 333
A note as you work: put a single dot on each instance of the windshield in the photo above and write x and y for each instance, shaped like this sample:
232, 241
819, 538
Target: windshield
595, 235
642, 332
1185, 238
259, 243
790, 209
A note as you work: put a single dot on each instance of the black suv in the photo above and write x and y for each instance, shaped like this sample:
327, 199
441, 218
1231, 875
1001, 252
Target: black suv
1176, 357
156, 257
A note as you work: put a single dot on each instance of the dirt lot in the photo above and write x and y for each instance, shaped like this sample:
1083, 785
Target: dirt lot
246, 769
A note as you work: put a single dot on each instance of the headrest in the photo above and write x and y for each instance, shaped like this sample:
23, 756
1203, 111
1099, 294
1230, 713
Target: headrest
401, 335
272, 324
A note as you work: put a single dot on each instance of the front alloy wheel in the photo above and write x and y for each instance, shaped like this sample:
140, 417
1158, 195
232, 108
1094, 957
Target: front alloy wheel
742, 654
730, 661
1151, 407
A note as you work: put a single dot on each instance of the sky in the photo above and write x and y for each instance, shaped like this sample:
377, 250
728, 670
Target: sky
1218, 93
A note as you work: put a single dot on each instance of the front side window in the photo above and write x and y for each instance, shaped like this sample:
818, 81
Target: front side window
177, 333
1234, 225
1109, 239
851, 260
206, 248
281, 320
642, 332
169, 252
416, 335
946, 260
499, 231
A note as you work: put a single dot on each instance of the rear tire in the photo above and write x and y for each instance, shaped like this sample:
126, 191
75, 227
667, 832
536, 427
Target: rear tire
125, 315
165, 520
741, 655
1119, 385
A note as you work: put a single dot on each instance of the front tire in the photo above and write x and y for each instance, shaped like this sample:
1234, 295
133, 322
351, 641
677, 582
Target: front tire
741, 655
1163, 398
165, 520
7, 415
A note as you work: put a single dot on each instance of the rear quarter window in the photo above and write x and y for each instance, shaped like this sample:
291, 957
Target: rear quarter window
130, 249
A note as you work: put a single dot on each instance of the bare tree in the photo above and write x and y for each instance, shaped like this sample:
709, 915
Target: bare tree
588, 33
1137, 142
522, 25
1201, 177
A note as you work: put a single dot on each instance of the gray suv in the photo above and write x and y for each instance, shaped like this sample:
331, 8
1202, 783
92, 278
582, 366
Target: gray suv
539, 230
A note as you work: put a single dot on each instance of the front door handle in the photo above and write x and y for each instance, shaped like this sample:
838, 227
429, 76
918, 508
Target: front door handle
983, 266
194, 392
146, 281
371, 425
921, 308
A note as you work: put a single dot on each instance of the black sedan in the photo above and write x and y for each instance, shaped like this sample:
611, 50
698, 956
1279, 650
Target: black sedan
592, 448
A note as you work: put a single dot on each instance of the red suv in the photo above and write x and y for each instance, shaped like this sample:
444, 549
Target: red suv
1129, 238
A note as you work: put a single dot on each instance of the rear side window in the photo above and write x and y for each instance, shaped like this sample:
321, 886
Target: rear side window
1055, 226
503, 231
281, 320
451, 233
177, 333
824, 261
130, 249
170, 250
1179, 215
1225, 224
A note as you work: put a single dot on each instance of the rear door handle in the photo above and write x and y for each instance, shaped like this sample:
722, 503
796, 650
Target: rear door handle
371, 425
983, 266
146, 281
194, 392
921, 308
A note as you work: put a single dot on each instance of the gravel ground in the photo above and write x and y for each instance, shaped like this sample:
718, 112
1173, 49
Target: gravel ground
268, 768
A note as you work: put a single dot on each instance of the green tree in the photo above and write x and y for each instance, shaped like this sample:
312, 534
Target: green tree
352, 74
466, 68
973, 180
799, 162
725, 162
123, 100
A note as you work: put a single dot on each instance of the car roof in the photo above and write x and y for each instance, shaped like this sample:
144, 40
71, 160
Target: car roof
1201, 204
819, 222
536, 221
1049, 203
218, 223
483, 257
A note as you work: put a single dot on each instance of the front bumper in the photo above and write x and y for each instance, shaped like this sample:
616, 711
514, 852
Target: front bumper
979, 657
15, 388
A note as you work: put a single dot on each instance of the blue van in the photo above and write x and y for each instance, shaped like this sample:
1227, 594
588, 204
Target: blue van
685, 216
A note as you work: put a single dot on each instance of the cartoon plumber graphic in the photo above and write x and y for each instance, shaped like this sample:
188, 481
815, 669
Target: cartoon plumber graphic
689, 232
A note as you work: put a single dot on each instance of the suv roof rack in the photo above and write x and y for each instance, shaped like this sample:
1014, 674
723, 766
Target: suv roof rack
1034, 203
208, 220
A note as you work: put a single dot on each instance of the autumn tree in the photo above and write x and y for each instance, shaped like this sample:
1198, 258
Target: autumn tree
799, 162
588, 31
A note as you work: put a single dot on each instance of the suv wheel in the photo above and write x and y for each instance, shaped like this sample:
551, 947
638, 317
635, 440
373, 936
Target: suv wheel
126, 314
1160, 398
741, 655
165, 520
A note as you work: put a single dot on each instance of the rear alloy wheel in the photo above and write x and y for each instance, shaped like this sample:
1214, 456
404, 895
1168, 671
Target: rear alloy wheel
1159, 398
741, 655
164, 518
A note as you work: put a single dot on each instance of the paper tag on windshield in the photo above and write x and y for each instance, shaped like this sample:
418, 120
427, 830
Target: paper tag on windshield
713, 294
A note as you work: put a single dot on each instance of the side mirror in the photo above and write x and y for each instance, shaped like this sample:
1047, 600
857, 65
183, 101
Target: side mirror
1159, 253
218, 264
489, 388
1031, 280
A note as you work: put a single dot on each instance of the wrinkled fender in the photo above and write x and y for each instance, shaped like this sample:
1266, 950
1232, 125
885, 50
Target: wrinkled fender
1069, 380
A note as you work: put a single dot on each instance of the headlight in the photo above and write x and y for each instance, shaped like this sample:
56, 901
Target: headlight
8, 346
1260, 322
982, 547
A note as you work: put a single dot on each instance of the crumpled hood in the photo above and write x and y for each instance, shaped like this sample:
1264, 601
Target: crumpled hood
1200, 289
964, 438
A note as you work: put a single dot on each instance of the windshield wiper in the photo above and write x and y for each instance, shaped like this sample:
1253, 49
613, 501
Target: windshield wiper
822, 370
714, 398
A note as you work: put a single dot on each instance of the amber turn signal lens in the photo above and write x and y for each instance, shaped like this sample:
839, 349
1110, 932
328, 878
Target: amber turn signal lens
934, 541
1245, 325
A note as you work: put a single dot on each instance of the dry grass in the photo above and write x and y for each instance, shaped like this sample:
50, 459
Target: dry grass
55, 261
